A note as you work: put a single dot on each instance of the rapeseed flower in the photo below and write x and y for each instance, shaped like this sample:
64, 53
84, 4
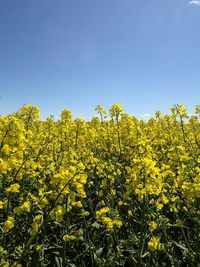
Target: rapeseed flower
154, 244
69, 237
14, 188
102, 211
3, 165
152, 226
1, 204
8, 224
85, 213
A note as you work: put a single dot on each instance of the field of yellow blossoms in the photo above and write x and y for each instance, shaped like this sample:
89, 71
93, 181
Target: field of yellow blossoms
114, 191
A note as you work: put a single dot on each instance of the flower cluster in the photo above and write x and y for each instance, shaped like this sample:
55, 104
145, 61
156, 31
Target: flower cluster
103, 192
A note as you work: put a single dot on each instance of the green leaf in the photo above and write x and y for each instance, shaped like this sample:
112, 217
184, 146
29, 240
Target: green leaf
59, 261
145, 254
99, 252
181, 247
96, 225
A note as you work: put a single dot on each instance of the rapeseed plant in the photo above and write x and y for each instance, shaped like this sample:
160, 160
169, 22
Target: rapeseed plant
105, 191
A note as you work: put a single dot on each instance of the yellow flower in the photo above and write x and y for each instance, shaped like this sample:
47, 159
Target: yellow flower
85, 213
4, 264
1, 204
116, 110
69, 237
58, 213
8, 224
3, 165
108, 223
102, 211
83, 178
159, 205
164, 199
43, 203
14, 188
113, 192
6, 149
77, 204
26, 206
38, 218
118, 223
154, 244
35, 227
38, 247
152, 226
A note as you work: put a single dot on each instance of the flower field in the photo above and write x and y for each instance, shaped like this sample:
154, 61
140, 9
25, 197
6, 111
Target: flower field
114, 191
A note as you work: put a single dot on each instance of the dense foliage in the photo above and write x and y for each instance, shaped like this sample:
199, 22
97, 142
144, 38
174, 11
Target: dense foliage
114, 191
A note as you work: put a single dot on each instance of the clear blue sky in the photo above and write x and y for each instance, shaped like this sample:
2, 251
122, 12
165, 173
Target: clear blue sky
78, 53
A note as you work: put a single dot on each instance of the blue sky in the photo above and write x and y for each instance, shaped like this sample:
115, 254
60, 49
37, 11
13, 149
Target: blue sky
76, 54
